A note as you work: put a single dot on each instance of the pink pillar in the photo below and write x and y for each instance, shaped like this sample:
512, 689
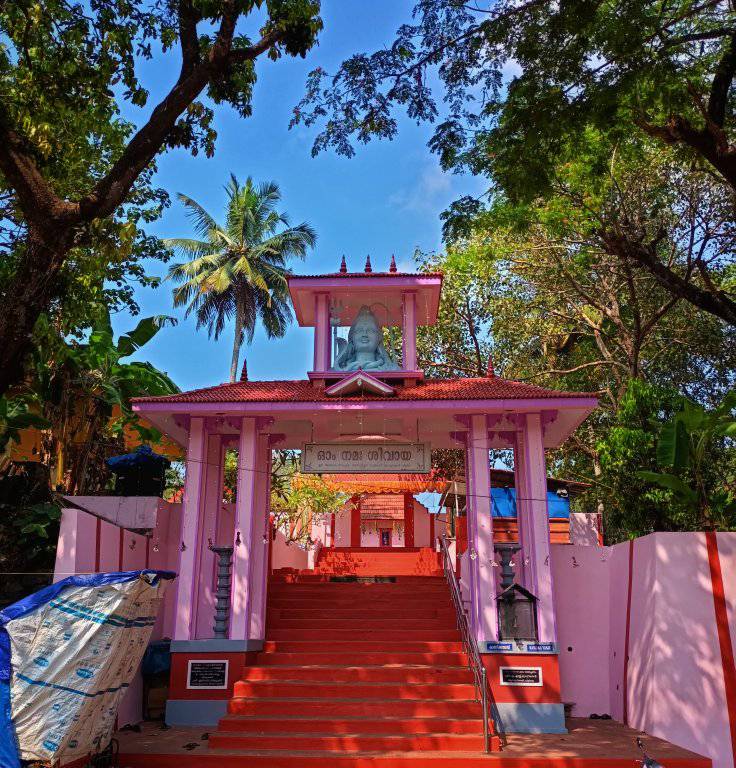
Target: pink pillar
409, 332
259, 567
523, 517
243, 529
321, 332
538, 546
480, 533
193, 490
209, 512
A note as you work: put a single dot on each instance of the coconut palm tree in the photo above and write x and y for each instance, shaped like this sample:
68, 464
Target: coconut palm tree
238, 269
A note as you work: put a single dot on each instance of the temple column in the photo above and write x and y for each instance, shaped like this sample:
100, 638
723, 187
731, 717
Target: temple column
523, 517
355, 522
537, 528
322, 329
243, 528
408, 520
480, 533
193, 490
209, 511
409, 332
259, 568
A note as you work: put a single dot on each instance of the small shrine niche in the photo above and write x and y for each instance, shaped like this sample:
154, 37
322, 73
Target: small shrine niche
349, 310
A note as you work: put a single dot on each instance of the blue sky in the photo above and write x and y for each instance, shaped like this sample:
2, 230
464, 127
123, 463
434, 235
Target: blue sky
387, 199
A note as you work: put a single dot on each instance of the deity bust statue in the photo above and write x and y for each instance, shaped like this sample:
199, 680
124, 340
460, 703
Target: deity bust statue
364, 349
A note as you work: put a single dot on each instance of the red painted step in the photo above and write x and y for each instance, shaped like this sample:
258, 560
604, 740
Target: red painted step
356, 707
360, 646
302, 689
353, 674
340, 622
354, 742
366, 634
446, 615
306, 658
284, 724
218, 758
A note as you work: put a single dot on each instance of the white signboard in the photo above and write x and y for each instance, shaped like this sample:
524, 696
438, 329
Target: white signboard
337, 458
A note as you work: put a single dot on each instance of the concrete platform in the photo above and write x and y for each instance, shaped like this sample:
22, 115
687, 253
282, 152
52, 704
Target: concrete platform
589, 744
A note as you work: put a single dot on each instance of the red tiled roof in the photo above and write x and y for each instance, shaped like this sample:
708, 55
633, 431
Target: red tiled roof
386, 483
383, 507
303, 391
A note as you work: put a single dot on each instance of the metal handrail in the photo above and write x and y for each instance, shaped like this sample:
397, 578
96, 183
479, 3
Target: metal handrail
482, 690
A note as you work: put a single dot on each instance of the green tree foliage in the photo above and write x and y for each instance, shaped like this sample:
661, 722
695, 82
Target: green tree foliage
75, 176
29, 527
520, 84
689, 446
558, 308
301, 502
238, 269
83, 389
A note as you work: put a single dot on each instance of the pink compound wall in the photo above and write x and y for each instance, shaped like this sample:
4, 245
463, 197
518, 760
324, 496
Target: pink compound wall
675, 681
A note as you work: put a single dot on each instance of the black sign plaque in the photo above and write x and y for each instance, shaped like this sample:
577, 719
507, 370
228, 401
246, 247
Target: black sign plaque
529, 676
208, 674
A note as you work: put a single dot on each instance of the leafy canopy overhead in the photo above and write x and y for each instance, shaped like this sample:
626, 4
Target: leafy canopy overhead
518, 78
74, 175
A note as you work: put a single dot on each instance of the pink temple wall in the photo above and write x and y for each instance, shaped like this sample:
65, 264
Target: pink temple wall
90, 545
421, 525
675, 673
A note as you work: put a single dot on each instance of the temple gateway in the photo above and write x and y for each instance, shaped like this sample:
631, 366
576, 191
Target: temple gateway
359, 411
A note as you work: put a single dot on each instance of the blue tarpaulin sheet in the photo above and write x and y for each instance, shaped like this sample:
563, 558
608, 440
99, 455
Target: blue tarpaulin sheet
503, 501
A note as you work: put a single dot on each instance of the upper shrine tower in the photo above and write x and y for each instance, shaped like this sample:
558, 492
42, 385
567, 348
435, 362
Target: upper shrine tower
348, 311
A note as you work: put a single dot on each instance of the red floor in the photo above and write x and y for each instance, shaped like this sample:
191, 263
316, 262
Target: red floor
589, 744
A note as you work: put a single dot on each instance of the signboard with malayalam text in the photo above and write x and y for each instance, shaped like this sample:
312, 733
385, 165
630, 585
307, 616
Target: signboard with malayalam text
349, 458
525, 676
207, 674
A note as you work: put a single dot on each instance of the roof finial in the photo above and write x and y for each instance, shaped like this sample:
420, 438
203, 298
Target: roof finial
393, 268
368, 267
343, 266
244, 371
490, 373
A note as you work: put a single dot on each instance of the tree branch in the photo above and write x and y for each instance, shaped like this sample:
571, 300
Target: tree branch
188, 38
110, 192
717, 304
721, 85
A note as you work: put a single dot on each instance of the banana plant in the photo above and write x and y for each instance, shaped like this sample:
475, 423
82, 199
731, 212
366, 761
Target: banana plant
685, 448
86, 390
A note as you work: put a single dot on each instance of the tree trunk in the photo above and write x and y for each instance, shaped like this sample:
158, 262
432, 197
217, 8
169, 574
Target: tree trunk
238, 340
28, 294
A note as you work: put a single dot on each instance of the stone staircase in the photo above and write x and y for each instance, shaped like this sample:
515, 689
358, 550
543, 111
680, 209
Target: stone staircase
356, 673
